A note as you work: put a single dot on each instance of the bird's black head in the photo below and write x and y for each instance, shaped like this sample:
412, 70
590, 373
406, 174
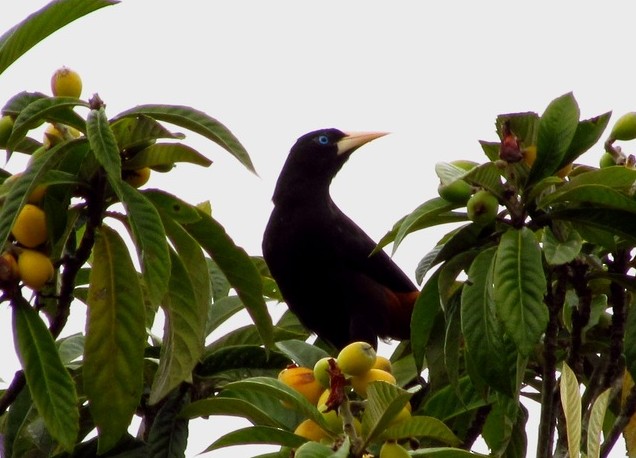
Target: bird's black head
315, 159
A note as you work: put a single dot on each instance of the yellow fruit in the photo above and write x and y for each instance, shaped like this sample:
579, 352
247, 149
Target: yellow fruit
35, 269
9, 270
29, 228
310, 430
529, 155
356, 358
391, 449
321, 371
383, 364
37, 194
625, 127
138, 177
66, 83
52, 136
302, 380
361, 382
403, 415
6, 126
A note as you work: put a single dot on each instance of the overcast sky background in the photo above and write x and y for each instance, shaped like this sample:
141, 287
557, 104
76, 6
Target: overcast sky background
434, 74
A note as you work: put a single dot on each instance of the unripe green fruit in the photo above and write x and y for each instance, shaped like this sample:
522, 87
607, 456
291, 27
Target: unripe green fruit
6, 126
457, 192
321, 371
607, 160
391, 449
356, 358
482, 207
625, 127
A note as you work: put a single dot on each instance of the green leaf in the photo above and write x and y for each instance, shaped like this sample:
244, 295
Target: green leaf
445, 452
168, 437
425, 310
237, 359
136, 133
220, 405
171, 206
51, 386
198, 122
257, 435
421, 426
595, 424
629, 346
482, 330
302, 353
166, 153
104, 145
615, 222
595, 194
39, 25
616, 177
562, 249
428, 214
313, 450
184, 333
238, 268
150, 240
557, 127
519, 288
487, 176
523, 125
588, 132
384, 402
115, 338
571, 402
293, 399
37, 111
221, 310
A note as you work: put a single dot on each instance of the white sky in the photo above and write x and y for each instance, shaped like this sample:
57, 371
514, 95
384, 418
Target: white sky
434, 74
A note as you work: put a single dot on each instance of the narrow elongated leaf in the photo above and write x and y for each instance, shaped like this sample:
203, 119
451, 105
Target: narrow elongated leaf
274, 388
301, 352
482, 331
139, 132
615, 222
198, 122
39, 25
422, 426
384, 402
51, 386
595, 424
36, 113
588, 132
168, 436
616, 177
238, 268
184, 333
557, 127
519, 288
425, 214
312, 449
427, 307
150, 240
115, 338
104, 145
446, 452
257, 435
221, 310
571, 402
171, 206
600, 195
166, 153
486, 176
220, 405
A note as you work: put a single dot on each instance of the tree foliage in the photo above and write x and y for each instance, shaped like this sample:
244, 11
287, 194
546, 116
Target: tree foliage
533, 305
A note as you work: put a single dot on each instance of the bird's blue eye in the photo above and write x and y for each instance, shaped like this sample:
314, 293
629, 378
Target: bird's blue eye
323, 139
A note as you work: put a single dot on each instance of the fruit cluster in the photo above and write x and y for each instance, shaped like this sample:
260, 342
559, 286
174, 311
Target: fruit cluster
26, 258
335, 381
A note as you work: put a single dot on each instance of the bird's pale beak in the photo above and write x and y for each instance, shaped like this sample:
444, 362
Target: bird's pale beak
354, 140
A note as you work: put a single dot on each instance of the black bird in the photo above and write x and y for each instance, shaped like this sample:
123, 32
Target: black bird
322, 260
